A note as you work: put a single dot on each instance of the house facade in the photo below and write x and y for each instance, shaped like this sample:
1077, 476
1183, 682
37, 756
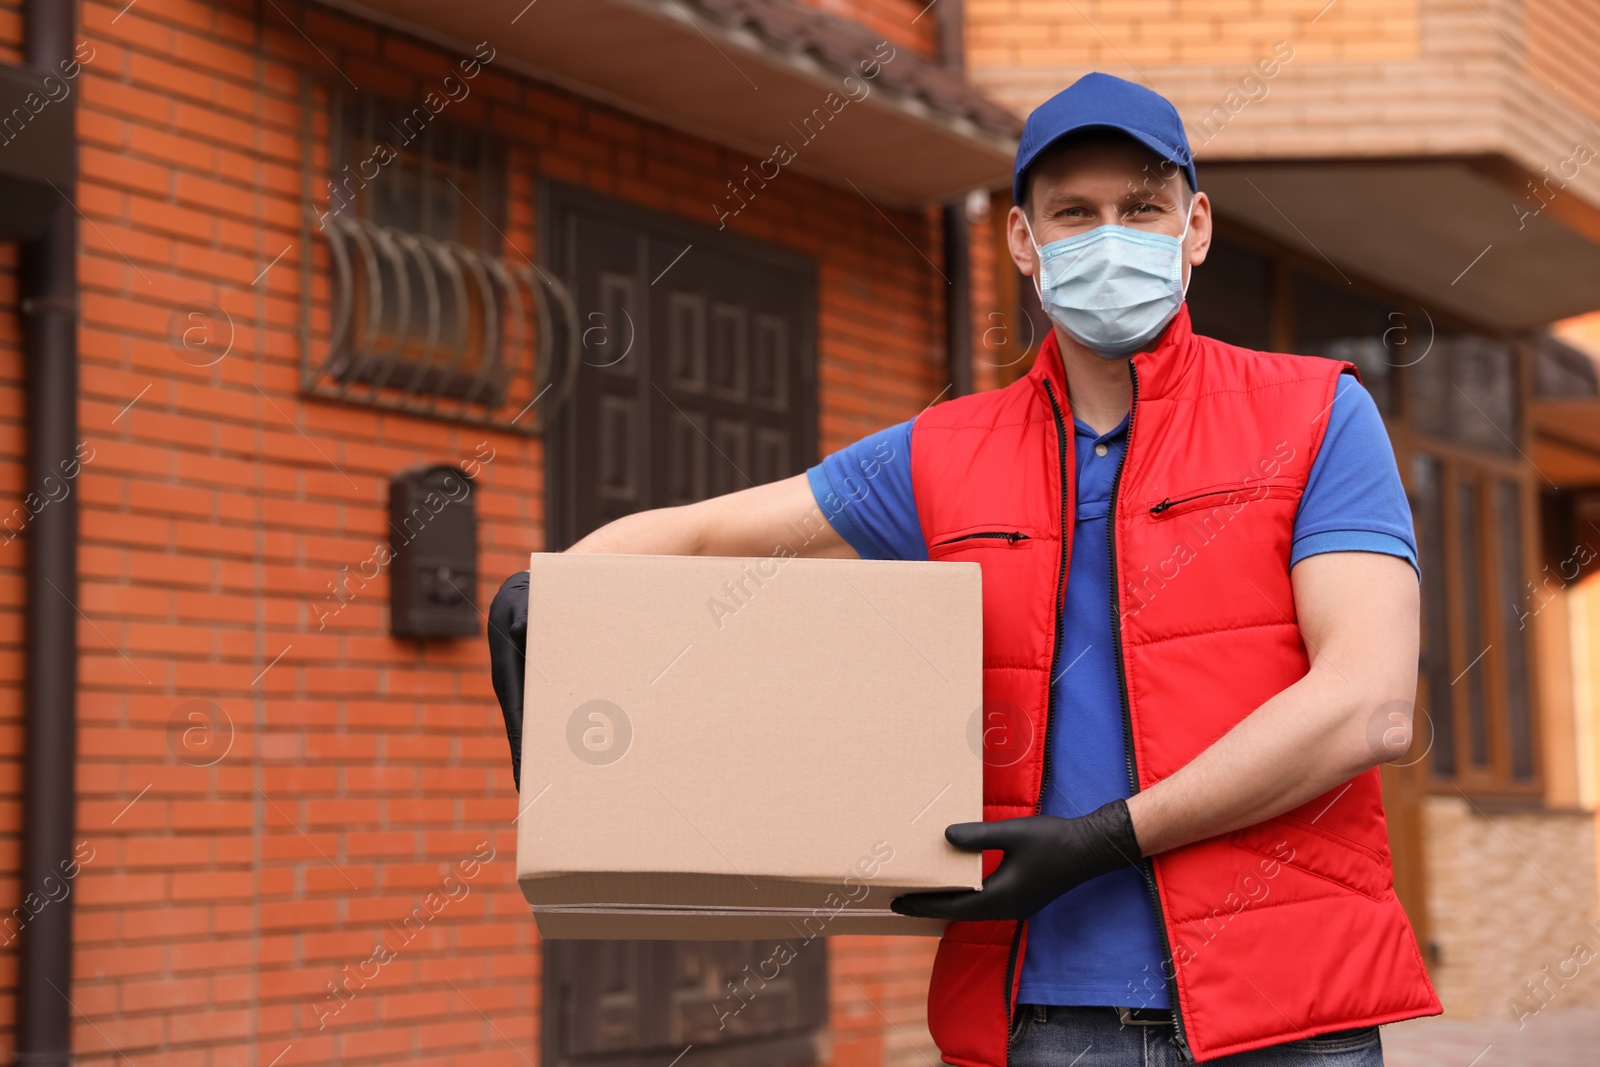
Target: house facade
332, 312
365, 303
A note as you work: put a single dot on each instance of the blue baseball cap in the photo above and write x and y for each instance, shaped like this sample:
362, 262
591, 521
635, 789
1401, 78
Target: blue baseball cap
1102, 101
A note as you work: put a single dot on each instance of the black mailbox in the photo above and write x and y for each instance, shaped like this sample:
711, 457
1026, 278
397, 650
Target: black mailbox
433, 532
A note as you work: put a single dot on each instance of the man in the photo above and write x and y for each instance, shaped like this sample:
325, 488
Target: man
1200, 640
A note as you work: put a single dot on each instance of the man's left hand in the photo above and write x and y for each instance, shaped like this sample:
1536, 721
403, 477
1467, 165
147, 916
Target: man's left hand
1045, 856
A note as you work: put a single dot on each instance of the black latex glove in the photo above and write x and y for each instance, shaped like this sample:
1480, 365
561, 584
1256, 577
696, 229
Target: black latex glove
1044, 857
508, 643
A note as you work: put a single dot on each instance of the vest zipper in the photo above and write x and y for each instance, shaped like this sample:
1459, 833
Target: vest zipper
1168, 502
1147, 866
1050, 684
1011, 538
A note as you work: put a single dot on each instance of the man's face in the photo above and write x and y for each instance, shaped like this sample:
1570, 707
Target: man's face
1108, 183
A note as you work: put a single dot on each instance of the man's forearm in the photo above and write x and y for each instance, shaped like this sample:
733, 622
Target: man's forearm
779, 517
1303, 742
661, 532
1358, 615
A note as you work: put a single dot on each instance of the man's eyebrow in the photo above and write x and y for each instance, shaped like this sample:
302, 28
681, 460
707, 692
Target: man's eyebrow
1136, 192
1066, 200
1056, 201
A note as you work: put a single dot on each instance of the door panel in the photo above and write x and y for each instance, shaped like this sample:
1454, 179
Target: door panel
697, 374
697, 379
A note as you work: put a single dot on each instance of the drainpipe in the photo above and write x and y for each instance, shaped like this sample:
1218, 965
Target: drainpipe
958, 302
957, 237
48, 288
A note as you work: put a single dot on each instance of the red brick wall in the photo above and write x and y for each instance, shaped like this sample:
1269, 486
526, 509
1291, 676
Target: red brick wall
355, 770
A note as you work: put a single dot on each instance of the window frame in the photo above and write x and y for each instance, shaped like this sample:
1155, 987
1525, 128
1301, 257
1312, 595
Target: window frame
1459, 465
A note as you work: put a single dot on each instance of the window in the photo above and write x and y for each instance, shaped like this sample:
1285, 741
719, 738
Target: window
415, 175
1465, 392
1475, 685
1508, 513
1434, 686
1380, 336
420, 311
1230, 296
1561, 372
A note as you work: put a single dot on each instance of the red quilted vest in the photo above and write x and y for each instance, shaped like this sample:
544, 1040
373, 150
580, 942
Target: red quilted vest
1276, 932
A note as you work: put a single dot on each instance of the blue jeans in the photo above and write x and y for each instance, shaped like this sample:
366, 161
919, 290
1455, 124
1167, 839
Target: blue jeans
1095, 1037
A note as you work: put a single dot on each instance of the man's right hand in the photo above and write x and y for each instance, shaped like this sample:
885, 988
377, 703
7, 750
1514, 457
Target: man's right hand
508, 645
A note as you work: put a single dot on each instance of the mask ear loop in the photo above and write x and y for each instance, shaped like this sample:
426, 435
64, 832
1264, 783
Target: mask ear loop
1182, 238
1038, 274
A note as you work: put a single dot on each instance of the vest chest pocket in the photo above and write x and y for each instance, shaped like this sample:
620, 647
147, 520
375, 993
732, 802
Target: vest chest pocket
1233, 497
978, 542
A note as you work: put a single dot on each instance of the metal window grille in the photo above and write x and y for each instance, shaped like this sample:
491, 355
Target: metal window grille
422, 314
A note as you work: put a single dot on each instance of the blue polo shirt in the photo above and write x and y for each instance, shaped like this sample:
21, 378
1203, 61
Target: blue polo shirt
1100, 943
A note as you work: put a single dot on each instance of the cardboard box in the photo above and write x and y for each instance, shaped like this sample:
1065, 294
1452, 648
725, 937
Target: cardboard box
720, 748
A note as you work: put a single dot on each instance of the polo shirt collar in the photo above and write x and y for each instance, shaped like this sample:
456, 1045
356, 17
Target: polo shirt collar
1162, 368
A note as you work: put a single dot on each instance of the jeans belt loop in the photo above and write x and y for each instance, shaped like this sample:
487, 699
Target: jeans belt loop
1145, 1016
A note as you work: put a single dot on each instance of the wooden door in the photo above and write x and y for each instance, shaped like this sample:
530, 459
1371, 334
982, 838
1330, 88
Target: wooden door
698, 371
697, 379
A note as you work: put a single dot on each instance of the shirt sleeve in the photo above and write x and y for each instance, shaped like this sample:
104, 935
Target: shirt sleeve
1354, 501
864, 490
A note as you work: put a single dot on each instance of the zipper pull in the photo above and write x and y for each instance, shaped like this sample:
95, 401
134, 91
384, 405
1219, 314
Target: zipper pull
1013, 538
1163, 506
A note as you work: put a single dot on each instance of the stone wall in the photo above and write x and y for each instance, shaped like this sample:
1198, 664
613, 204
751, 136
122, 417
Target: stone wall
1513, 908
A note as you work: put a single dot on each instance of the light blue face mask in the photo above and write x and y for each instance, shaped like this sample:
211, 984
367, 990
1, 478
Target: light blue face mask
1113, 289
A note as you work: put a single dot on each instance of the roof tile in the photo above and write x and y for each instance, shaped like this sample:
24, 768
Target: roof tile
843, 45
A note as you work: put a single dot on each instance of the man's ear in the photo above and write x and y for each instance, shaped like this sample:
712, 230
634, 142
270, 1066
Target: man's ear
1199, 239
1019, 244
